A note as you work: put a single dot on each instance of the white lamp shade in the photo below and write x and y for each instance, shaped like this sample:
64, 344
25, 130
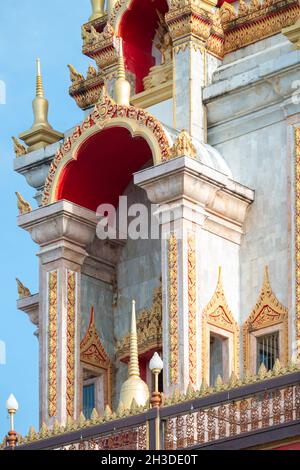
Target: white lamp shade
156, 363
12, 404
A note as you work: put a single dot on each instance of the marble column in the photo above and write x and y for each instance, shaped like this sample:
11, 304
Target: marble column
63, 231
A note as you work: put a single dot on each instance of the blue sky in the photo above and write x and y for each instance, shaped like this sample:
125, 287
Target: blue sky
52, 31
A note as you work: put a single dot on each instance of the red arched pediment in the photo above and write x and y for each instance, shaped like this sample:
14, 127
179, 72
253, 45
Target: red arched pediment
137, 29
103, 168
96, 163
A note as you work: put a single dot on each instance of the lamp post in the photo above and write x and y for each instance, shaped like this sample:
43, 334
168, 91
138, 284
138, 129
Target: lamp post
12, 407
156, 366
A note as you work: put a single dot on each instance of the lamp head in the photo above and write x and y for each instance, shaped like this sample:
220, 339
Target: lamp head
156, 364
12, 405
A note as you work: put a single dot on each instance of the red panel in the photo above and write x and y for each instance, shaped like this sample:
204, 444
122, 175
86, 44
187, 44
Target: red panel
103, 169
138, 29
294, 446
220, 2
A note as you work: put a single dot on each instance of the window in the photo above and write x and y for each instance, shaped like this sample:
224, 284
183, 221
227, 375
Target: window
89, 402
267, 350
218, 358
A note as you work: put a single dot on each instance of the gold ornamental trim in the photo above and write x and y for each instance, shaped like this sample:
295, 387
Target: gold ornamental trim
267, 312
52, 342
259, 21
297, 235
149, 329
217, 313
93, 353
173, 308
226, 29
71, 323
192, 312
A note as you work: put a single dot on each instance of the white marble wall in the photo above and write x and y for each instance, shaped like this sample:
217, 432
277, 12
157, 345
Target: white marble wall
249, 103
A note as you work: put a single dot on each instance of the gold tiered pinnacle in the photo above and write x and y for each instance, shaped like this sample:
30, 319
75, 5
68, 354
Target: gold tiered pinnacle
39, 80
134, 388
122, 86
134, 369
41, 133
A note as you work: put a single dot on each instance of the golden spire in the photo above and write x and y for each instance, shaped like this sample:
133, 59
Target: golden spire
40, 103
39, 80
122, 86
134, 388
41, 133
133, 369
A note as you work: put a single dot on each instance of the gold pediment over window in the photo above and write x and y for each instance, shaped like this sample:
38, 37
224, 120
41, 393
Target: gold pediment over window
149, 329
217, 313
92, 351
267, 312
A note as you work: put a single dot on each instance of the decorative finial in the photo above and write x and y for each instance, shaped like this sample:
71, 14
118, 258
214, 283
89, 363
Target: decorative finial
183, 146
19, 149
23, 206
134, 369
41, 133
98, 9
122, 86
39, 80
22, 290
134, 388
75, 76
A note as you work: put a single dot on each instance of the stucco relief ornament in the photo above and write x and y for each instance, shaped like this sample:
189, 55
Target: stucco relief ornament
22, 290
19, 149
75, 76
149, 328
243, 8
23, 206
227, 12
183, 146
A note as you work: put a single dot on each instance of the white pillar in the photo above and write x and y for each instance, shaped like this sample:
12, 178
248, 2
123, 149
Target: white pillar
62, 230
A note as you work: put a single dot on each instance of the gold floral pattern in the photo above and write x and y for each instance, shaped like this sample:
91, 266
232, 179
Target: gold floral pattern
52, 342
192, 294
71, 319
173, 308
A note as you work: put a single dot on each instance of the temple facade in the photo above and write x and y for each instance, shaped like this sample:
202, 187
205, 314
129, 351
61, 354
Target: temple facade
178, 190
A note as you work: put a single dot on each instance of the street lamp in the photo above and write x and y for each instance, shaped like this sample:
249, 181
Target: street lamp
12, 407
156, 366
